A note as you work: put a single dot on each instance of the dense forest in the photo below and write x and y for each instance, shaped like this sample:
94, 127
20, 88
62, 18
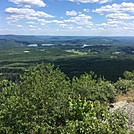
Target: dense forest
74, 55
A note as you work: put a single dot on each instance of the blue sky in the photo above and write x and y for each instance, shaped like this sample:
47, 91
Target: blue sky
67, 17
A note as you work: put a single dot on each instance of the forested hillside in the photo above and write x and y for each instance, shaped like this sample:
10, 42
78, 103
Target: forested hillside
45, 101
74, 55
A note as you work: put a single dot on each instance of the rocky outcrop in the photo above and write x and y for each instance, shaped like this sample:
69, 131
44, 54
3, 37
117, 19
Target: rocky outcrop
128, 108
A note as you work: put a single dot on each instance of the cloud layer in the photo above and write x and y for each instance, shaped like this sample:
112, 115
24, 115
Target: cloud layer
91, 1
71, 13
25, 13
39, 3
123, 7
75, 17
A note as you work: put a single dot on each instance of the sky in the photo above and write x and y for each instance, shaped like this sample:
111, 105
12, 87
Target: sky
67, 17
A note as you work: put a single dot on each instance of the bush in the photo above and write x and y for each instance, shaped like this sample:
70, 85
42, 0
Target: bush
35, 103
129, 75
40, 104
126, 84
93, 88
87, 117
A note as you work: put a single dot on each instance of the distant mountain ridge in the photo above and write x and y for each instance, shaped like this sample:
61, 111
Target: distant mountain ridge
95, 40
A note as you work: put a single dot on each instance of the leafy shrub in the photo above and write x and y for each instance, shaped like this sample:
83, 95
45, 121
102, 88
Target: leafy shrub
126, 84
93, 88
129, 75
87, 117
35, 103
40, 104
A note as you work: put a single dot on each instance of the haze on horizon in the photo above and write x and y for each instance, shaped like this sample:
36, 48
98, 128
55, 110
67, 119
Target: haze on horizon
67, 17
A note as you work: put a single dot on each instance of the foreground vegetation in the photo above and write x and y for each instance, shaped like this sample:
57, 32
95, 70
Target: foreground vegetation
46, 101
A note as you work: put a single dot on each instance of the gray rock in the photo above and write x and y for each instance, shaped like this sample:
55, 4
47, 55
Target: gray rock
128, 108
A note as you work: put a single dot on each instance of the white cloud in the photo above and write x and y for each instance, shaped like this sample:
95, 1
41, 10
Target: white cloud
31, 22
27, 6
50, 21
39, 3
104, 1
55, 21
71, 13
115, 23
86, 10
20, 26
31, 26
91, 1
116, 27
123, 7
25, 13
44, 22
111, 24
119, 16
43, 14
63, 25
81, 19
22, 11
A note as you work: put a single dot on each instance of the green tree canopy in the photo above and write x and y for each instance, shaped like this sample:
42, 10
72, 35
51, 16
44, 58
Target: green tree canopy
45, 101
93, 88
